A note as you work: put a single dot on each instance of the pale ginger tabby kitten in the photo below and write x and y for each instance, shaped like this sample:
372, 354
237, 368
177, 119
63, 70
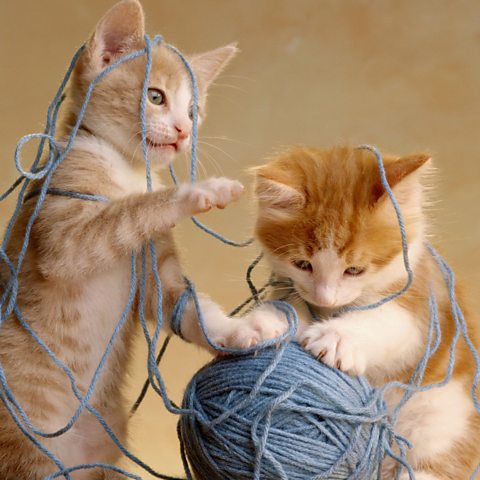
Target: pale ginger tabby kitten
327, 225
75, 280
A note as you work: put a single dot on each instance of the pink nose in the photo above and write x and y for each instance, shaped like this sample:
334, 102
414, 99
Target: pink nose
182, 132
325, 296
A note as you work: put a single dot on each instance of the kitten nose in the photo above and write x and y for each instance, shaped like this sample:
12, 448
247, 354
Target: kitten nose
182, 131
325, 296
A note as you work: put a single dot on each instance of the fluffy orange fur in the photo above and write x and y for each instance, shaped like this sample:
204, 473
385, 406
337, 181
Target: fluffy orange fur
313, 201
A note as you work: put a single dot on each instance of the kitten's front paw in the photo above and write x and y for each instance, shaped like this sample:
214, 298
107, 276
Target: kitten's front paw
263, 323
203, 196
334, 348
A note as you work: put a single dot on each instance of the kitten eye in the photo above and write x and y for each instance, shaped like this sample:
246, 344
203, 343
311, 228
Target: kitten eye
354, 271
190, 112
156, 96
304, 265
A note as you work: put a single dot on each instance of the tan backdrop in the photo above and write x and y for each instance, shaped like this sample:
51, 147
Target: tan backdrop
404, 75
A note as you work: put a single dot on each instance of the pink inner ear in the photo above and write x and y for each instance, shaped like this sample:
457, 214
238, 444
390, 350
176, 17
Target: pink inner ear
120, 30
114, 45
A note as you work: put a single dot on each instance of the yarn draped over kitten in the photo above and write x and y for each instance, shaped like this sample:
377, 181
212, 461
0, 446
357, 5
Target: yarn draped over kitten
276, 406
282, 414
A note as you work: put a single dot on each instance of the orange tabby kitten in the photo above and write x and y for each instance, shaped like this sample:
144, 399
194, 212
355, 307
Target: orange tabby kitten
75, 279
327, 225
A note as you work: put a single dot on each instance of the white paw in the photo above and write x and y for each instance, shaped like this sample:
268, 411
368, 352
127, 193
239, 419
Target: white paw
263, 323
334, 348
214, 192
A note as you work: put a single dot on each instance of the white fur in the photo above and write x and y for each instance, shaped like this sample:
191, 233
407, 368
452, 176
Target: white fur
434, 420
218, 325
377, 342
213, 192
263, 323
129, 178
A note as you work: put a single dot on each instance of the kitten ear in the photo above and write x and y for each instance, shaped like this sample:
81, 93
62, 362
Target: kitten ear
398, 172
207, 66
274, 195
119, 31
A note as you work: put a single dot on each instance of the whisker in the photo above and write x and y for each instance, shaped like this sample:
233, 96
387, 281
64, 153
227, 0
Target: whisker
216, 165
229, 85
217, 148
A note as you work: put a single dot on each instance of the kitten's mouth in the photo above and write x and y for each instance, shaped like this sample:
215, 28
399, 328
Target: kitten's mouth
162, 146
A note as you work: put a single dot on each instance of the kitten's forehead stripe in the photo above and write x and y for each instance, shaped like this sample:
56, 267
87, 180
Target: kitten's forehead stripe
340, 187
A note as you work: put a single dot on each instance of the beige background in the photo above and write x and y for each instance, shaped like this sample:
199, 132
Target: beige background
404, 75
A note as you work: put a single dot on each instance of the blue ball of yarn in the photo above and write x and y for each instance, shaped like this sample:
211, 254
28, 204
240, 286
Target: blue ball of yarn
282, 414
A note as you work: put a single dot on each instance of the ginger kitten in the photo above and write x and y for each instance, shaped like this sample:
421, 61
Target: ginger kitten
75, 279
327, 225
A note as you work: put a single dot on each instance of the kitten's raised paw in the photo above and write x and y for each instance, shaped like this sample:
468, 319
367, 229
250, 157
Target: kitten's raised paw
334, 348
214, 192
263, 323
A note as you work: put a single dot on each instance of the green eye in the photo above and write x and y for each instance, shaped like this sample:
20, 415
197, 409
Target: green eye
156, 96
354, 271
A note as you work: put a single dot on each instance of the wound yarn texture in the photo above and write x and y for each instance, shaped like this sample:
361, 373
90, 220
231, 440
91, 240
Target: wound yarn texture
305, 420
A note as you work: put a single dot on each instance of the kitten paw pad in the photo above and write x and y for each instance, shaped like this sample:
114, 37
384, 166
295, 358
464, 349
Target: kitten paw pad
333, 348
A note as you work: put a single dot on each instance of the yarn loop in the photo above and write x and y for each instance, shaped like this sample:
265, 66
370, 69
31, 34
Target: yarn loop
276, 414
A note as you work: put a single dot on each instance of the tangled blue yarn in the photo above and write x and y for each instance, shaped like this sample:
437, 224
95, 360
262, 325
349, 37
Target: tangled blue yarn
284, 415
270, 408
55, 155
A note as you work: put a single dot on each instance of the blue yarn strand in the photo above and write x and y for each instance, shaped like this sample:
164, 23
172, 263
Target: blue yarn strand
371, 411
56, 155
403, 234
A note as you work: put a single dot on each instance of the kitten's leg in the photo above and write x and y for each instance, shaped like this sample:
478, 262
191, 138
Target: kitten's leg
89, 235
217, 323
386, 339
444, 429
263, 323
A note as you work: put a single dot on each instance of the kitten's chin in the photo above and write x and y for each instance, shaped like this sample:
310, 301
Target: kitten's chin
329, 307
161, 157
